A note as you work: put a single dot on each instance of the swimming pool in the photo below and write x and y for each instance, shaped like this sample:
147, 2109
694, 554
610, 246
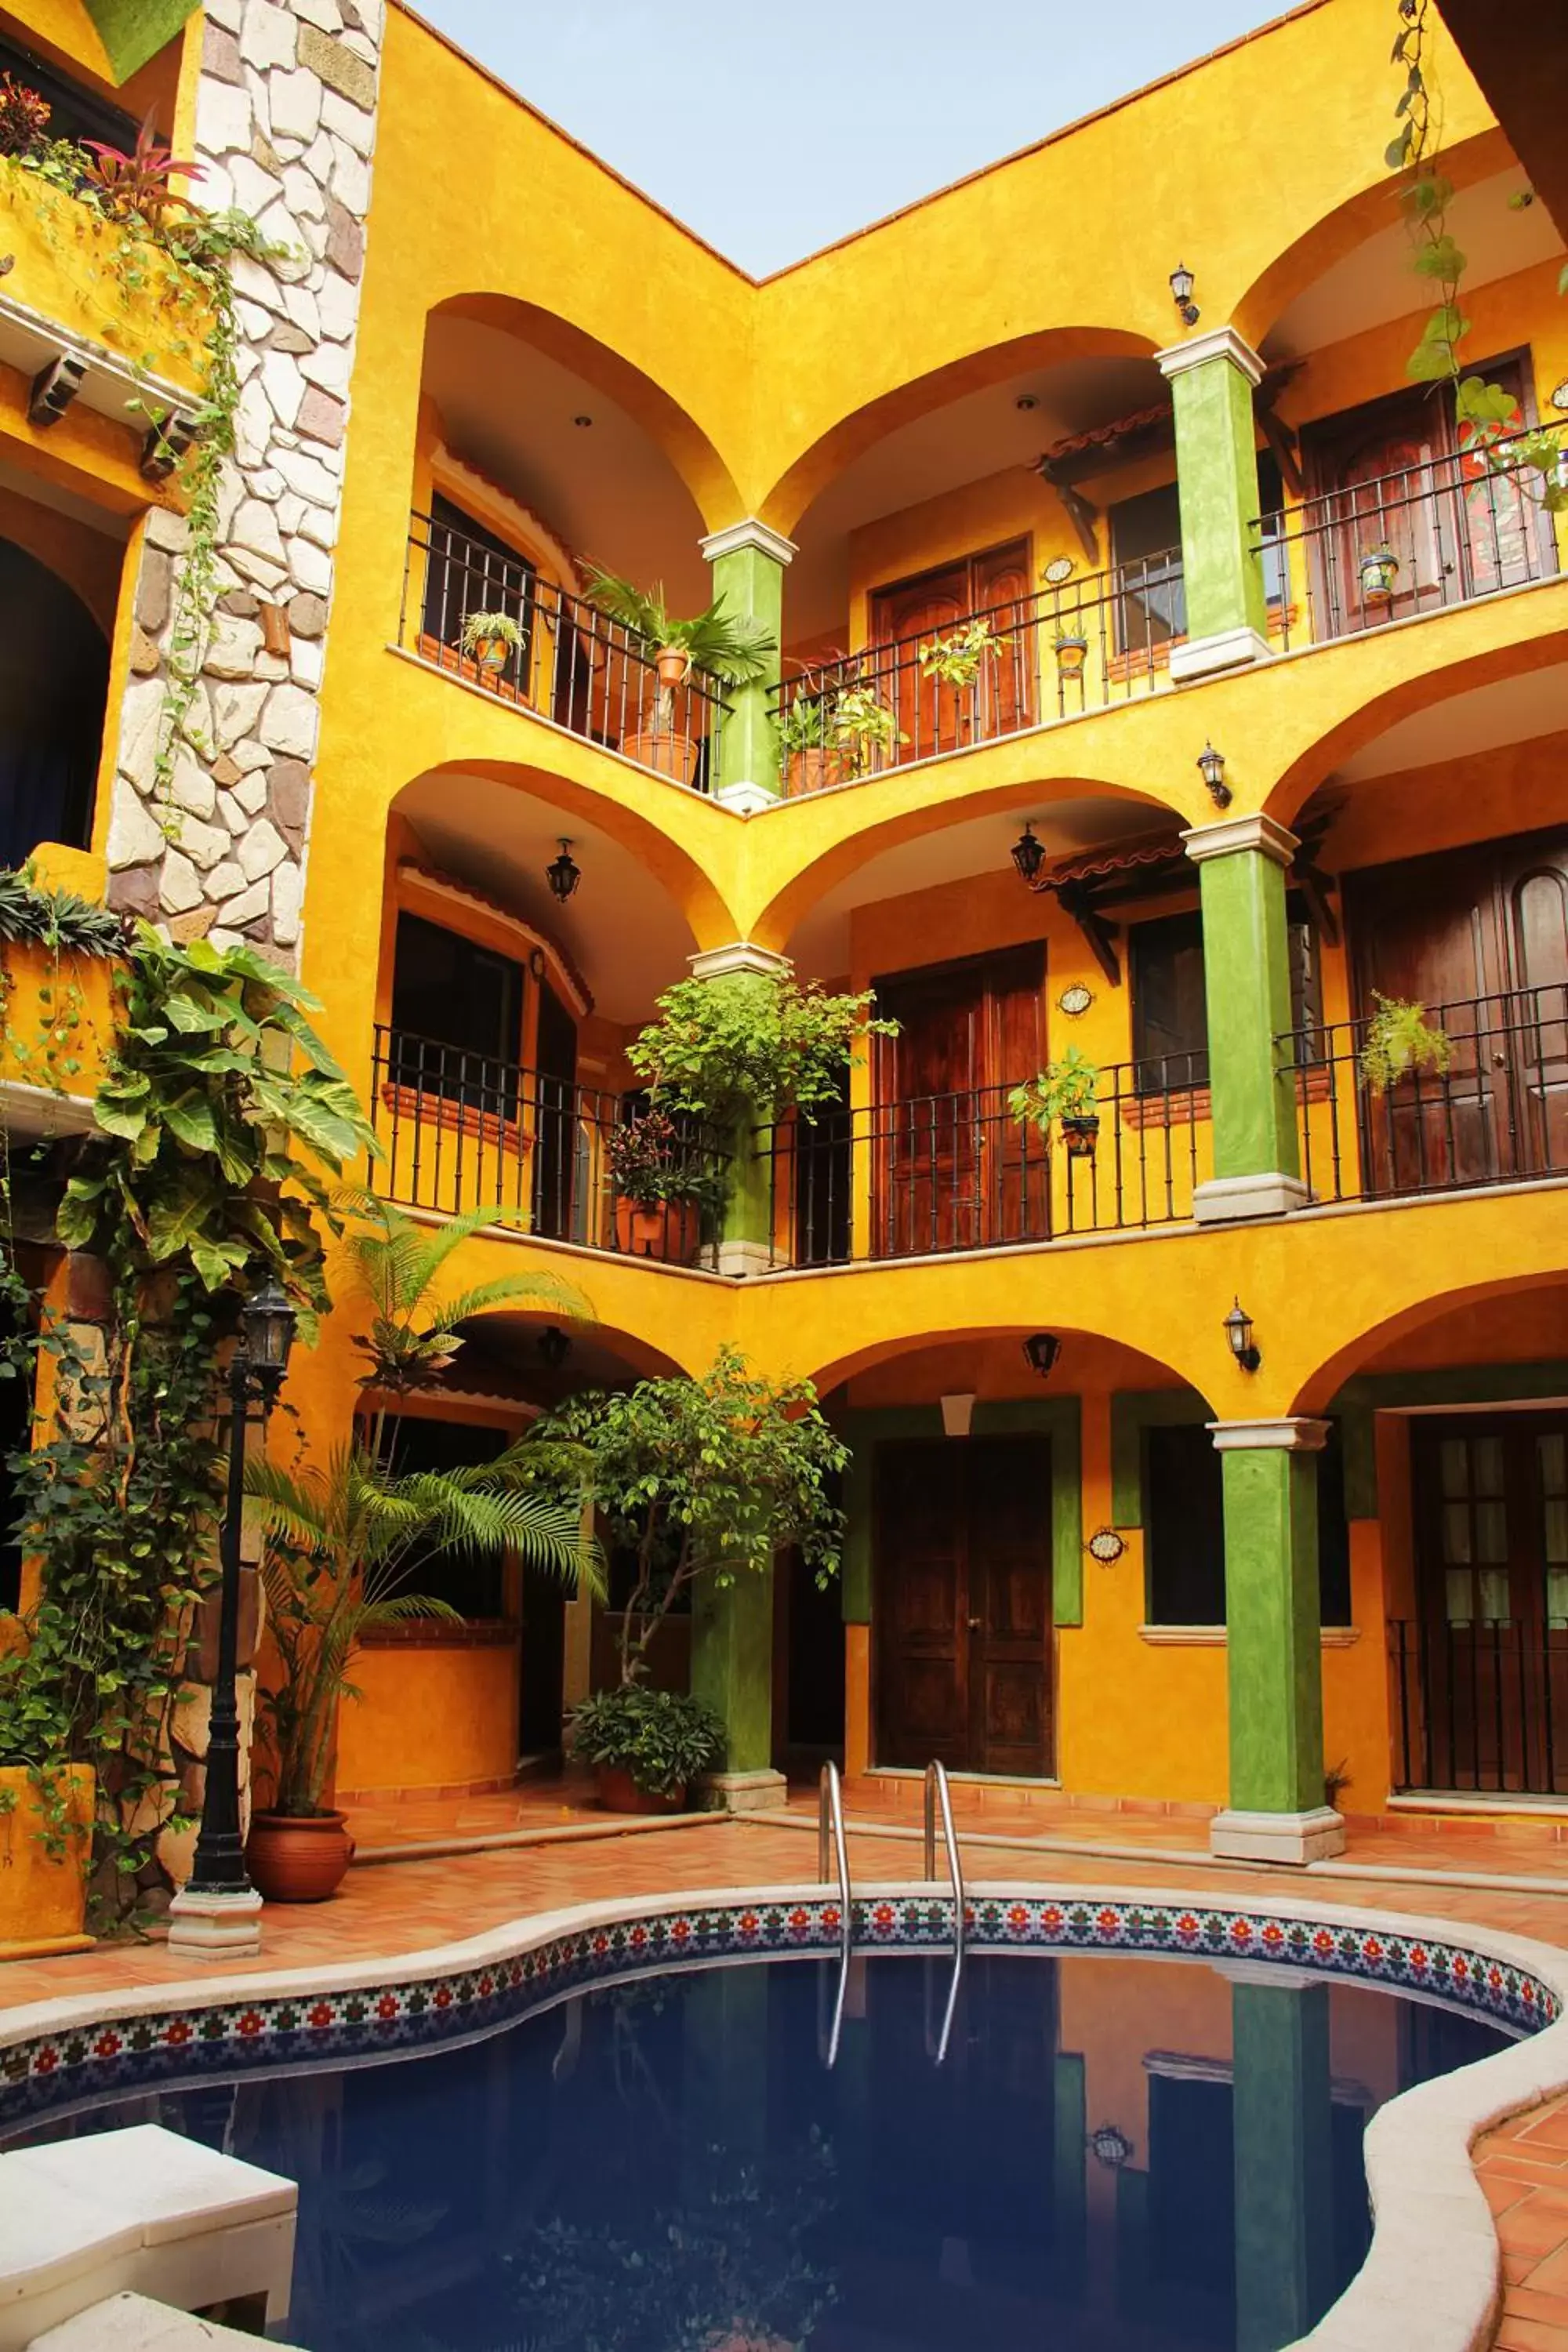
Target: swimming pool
1145, 2131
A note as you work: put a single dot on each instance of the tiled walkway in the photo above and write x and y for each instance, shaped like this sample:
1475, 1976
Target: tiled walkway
1523, 2168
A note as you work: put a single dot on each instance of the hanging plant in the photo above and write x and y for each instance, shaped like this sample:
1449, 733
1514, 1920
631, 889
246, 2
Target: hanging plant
957, 660
1400, 1042
1064, 1094
1379, 570
492, 639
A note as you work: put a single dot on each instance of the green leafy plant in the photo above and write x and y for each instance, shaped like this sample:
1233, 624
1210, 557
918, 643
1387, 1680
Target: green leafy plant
753, 1043
1066, 1090
647, 1160
342, 1545
958, 658
1399, 1039
495, 636
864, 727
33, 915
702, 1480
805, 724
662, 1738
134, 184
733, 647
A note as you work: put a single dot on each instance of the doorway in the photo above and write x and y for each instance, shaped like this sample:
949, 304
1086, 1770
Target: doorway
933, 714
965, 1665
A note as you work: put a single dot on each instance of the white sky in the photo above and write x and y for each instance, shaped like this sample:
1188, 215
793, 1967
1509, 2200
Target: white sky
771, 131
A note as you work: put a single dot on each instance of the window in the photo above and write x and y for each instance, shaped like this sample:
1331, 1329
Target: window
451, 990
1183, 1521
1146, 549
75, 113
470, 569
472, 1582
1170, 1015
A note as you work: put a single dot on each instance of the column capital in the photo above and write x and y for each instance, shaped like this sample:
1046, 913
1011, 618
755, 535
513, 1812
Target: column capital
1217, 343
748, 532
1233, 833
739, 955
1292, 1433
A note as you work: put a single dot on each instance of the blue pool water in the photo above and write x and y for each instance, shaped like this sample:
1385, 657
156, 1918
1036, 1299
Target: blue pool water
1137, 2155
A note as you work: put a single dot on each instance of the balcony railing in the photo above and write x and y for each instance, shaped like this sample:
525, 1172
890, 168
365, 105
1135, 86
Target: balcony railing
957, 1171
1481, 1706
1496, 1115
571, 665
1444, 532
1082, 645
463, 1130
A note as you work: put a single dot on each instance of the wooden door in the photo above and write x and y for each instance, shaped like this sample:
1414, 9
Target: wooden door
935, 716
555, 1119
1385, 475
949, 1170
1491, 1556
1532, 893
962, 1541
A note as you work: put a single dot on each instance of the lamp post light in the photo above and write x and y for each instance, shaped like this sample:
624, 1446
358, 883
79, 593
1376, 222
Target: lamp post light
216, 1915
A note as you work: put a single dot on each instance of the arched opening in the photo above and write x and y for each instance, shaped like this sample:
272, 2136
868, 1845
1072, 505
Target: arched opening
54, 680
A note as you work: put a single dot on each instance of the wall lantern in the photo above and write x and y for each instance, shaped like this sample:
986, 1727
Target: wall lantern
1182, 294
1040, 1352
1238, 1332
564, 872
555, 1347
1111, 2148
1028, 855
1211, 767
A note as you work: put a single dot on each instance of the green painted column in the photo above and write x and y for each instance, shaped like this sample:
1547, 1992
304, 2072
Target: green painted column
749, 561
1283, 2117
1274, 1647
745, 1244
1242, 864
1212, 378
733, 1669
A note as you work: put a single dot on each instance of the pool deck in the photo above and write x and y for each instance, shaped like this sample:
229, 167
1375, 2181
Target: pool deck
1511, 1878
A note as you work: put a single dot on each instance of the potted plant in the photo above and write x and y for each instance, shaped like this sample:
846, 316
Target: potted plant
1072, 650
734, 648
753, 1045
492, 639
1064, 1093
956, 660
865, 730
808, 743
1379, 569
661, 1192
699, 1481
646, 1747
1400, 1041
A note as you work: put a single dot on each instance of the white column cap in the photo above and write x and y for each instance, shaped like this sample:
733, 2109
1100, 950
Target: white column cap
740, 955
1236, 833
1293, 1433
751, 533
1215, 343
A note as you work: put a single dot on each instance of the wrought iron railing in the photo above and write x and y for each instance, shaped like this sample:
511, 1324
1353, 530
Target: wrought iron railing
1444, 532
1494, 1112
957, 1171
569, 663
1080, 645
463, 1130
1481, 1706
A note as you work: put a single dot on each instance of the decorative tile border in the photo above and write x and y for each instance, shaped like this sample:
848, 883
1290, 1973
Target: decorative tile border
110, 2057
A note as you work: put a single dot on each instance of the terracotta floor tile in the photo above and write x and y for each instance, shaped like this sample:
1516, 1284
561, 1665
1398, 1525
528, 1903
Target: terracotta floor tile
1547, 2310
1518, 2335
1550, 2276
1549, 2130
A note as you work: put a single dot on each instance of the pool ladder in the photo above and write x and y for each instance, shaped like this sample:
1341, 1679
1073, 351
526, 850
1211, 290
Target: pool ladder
832, 1860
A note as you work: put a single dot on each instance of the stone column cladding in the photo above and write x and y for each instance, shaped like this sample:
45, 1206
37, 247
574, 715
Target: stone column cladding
285, 128
1212, 378
1241, 863
749, 561
1273, 1644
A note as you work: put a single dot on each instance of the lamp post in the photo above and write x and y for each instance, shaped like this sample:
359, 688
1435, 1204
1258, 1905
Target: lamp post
217, 1913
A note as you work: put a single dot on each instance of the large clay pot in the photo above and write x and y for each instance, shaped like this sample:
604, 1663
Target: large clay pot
671, 1230
297, 1858
669, 751
812, 771
619, 1793
671, 666
43, 1895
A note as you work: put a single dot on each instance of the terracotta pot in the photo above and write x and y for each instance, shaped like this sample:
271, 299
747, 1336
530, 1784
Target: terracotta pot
671, 666
619, 1793
812, 771
669, 751
491, 653
1081, 1136
297, 1858
671, 1230
43, 1897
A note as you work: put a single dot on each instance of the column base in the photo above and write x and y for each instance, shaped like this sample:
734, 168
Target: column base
1207, 656
1278, 1837
745, 800
740, 1259
1230, 1199
744, 1793
216, 1927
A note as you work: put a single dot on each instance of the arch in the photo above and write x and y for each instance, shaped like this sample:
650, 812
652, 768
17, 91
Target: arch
599, 1349
903, 403
1134, 1366
690, 452
54, 687
1322, 1385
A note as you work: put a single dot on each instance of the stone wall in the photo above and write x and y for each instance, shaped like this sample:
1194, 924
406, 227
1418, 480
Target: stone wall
285, 129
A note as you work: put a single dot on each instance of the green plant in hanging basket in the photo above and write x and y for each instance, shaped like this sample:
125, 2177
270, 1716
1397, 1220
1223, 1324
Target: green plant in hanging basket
957, 659
1400, 1041
492, 639
1065, 1092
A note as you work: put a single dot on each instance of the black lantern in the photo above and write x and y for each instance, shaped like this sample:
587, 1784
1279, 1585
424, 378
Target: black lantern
1238, 1331
269, 1321
1182, 294
1028, 855
564, 872
1040, 1352
555, 1347
1211, 767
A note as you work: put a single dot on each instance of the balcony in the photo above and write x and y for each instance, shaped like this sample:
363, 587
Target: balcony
1496, 1115
569, 665
1081, 645
1397, 545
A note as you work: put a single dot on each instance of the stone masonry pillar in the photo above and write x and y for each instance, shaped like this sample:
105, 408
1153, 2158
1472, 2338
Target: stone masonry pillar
1212, 378
1241, 865
1274, 1645
749, 560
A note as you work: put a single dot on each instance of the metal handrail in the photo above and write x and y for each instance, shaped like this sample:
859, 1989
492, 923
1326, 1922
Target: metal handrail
939, 1799
833, 1847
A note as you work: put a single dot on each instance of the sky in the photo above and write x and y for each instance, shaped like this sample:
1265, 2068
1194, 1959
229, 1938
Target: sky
772, 130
